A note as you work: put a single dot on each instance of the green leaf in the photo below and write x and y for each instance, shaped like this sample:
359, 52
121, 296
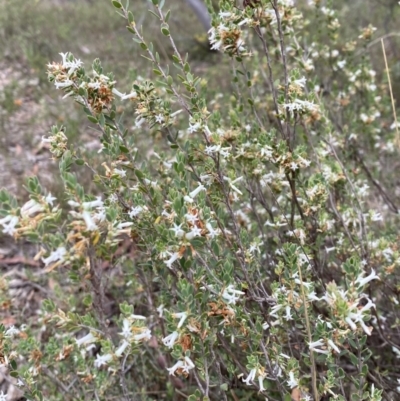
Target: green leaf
130, 17
165, 29
80, 162
167, 16
92, 119
116, 4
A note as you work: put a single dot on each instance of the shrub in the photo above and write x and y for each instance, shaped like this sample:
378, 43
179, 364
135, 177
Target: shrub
249, 254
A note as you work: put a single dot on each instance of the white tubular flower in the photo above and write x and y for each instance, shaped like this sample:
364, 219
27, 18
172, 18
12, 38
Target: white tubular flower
11, 331
9, 222
121, 349
64, 84
88, 339
170, 340
250, 377
145, 335
288, 315
92, 204
182, 315
30, 208
194, 232
135, 211
90, 224
333, 346
178, 230
138, 317
172, 259
102, 360
194, 193
261, 382
292, 382
361, 281
126, 329
212, 233
350, 323
231, 184
121, 173
188, 364
316, 344
55, 256
160, 310
265, 326
230, 295
173, 369
123, 225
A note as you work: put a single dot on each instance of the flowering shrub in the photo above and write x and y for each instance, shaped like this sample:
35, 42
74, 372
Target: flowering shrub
251, 255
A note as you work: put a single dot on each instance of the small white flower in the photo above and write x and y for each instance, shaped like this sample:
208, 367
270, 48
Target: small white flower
174, 368
88, 339
124, 225
316, 344
121, 349
11, 331
250, 377
193, 128
170, 340
186, 365
261, 382
135, 211
138, 317
64, 84
292, 382
362, 281
178, 230
160, 310
102, 360
55, 256
3, 397
194, 193
175, 256
9, 222
30, 208
144, 335
194, 232
93, 204
126, 329
212, 233
159, 118
49, 199
333, 346
182, 315
90, 224
231, 295
288, 315
120, 172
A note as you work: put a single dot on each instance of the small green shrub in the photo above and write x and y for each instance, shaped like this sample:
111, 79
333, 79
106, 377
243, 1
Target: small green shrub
249, 253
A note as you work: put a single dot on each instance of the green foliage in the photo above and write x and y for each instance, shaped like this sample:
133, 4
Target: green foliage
250, 254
